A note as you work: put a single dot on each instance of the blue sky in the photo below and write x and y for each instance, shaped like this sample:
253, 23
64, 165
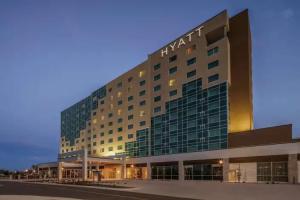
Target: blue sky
54, 53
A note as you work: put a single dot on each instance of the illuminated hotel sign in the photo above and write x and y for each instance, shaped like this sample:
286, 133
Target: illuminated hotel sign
180, 42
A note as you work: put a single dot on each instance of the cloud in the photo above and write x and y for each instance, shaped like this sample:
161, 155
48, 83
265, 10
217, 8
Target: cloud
287, 13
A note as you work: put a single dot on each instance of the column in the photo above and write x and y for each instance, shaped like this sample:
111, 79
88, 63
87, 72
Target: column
149, 171
225, 169
49, 172
293, 168
123, 169
60, 171
181, 170
84, 165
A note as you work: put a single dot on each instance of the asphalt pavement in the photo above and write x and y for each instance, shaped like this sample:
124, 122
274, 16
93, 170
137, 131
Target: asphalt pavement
21, 188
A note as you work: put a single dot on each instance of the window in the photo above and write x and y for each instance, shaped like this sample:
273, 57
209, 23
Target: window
191, 74
142, 93
172, 93
110, 140
94, 113
102, 142
120, 102
110, 115
156, 67
119, 111
102, 150
102, 102
142, 113
120, 138
156, 88
156, 77
119, 85
110, 123
120, 147
213, 78
142, 73
142, 123
172, 58
119, 94
110, 148
110, 132
157, 109
213, 64
120, 129
130, 126
172, 70
212, 51
130, 79
102, 126
190, 49
143, 82
110, 89
130, 117
172, 82
94, 143
191, 61
102, 134
157, 98
130, 136
120, 120
142, 103
130, 107
130, 98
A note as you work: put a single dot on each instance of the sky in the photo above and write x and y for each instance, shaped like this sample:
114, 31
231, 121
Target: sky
55, 53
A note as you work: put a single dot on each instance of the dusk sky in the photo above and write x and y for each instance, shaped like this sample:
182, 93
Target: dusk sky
55, 53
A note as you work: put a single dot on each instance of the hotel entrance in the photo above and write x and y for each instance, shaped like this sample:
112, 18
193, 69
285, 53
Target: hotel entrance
138, 171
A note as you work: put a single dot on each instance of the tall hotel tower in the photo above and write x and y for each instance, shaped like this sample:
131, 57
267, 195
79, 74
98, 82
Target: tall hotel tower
184, 113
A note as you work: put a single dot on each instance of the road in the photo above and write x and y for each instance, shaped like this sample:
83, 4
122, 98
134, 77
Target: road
19, 188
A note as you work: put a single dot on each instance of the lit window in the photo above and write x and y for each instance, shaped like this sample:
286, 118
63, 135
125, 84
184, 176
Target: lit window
111, 106
94, 121
120, 147
111, 97
142, 73
142, 113
172, 82
119, 112
119, 94
191, 49
102, 117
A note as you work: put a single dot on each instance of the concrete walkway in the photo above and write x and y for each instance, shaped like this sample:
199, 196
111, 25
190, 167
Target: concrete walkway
217, 190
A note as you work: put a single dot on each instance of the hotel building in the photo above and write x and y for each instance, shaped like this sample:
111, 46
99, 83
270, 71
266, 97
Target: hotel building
185, 113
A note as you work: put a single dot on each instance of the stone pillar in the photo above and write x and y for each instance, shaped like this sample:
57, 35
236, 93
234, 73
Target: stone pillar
84, 165
181, 170
149, 171
123, 170
293, 169
60, 171
225, 169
